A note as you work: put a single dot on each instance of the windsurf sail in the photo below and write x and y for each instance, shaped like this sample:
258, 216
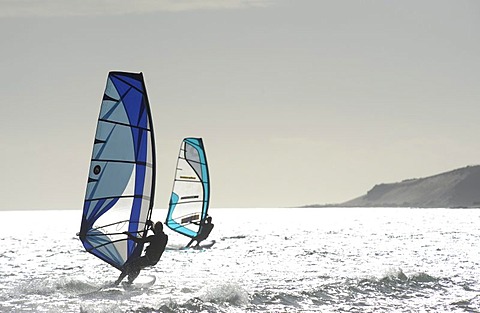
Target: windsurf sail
121, 180
191, 189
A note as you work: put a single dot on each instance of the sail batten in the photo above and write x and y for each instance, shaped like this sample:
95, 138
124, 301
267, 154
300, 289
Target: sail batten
122, 124
189, 201
121, 181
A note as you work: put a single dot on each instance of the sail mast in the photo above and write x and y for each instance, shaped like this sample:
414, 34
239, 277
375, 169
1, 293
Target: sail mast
153, 151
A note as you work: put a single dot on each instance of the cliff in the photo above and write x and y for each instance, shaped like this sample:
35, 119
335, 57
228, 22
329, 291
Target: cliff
454, 189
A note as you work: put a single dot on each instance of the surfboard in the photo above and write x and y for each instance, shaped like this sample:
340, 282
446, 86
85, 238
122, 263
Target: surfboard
142, 282
204, 245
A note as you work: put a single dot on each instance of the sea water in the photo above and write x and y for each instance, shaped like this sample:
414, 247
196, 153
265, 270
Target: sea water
264, 260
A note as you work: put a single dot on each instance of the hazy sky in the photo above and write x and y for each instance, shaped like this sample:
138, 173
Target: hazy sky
298, 101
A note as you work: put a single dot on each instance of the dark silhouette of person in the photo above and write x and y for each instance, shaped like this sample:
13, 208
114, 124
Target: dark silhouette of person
206, 227
157, 243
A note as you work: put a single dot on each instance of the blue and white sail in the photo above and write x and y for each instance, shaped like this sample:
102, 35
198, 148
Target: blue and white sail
121, 181
191, 189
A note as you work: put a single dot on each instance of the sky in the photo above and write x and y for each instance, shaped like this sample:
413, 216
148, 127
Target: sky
298, 101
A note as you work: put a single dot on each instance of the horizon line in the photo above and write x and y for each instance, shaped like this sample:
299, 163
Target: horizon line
57, 8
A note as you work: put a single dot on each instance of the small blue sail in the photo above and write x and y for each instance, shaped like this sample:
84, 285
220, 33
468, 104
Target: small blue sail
191, 189
121, 180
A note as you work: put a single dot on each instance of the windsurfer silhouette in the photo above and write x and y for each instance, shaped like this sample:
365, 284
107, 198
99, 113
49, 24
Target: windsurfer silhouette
157, 243
206, 227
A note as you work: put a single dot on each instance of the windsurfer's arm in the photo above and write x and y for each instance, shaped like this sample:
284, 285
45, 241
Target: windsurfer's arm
134, 238
149, 224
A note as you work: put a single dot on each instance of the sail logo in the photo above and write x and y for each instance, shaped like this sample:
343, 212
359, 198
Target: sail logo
189, 197
188, 177
190, 219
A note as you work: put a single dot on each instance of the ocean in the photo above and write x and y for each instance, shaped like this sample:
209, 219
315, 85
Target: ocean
264, 260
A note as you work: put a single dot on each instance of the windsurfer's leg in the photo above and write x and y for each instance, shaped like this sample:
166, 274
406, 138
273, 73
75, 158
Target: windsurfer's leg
121, 277
200, 239
191, 241
126, 271
133, 274
136, 267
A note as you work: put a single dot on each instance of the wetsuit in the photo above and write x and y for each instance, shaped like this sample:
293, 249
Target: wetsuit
204, 232
153, 252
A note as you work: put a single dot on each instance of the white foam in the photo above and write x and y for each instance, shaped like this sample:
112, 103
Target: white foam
231, 293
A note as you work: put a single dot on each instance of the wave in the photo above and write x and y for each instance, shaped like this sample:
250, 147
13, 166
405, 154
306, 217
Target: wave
469, 305
232, 294
221, 298
45, 287
192, 305
171, 306
282, 298
398, 277
386, 293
